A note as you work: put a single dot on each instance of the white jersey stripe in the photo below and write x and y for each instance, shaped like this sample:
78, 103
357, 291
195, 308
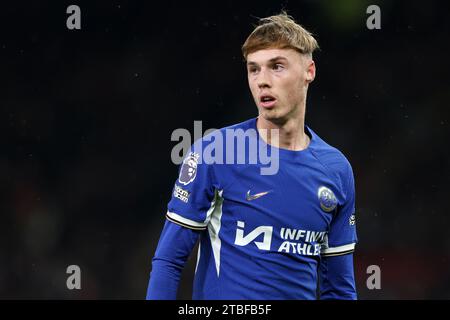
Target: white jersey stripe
340, 249
214, 228
177, 217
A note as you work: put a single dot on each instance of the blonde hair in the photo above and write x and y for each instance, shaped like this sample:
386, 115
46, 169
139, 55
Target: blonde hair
281, 32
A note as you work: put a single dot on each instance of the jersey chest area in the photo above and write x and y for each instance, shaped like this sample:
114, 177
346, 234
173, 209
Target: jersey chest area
290, 211
295, 197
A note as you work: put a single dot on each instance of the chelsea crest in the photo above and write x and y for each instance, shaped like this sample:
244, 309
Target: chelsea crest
327, 199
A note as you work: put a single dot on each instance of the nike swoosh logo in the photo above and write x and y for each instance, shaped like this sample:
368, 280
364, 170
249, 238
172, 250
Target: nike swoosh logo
250, 197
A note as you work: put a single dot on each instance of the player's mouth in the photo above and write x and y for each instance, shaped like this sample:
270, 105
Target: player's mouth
267, 101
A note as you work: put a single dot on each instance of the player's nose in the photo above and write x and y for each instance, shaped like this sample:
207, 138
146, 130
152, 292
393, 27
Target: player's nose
263, 80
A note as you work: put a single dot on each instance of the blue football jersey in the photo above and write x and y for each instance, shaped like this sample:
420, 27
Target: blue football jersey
263, 236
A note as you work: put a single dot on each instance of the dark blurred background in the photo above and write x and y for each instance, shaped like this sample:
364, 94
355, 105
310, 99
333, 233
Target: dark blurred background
87, 116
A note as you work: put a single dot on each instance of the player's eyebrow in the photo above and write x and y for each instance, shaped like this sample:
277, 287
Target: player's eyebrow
274, 59
277, 58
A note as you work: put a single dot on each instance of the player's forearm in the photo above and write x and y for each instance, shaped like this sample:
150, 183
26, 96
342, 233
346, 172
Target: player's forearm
164, 280
174, 247
337, 280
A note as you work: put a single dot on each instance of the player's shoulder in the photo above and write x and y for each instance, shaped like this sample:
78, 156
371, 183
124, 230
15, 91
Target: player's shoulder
330, 157
216, 139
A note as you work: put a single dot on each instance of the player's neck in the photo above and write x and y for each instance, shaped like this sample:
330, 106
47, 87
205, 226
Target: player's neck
287, 135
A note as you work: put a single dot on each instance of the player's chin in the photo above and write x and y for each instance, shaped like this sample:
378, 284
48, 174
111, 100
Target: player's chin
269, 114
274, 116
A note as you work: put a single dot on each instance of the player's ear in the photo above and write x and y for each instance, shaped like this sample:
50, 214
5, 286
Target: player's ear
310, 71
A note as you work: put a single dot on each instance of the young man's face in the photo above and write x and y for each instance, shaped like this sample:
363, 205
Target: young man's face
278, 80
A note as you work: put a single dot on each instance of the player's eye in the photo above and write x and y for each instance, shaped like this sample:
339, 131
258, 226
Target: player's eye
278, 67
252, 70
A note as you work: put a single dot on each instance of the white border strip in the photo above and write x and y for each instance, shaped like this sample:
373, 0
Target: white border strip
343, 248
188, 222
214, 228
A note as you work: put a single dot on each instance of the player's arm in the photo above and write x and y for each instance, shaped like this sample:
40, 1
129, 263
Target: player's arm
174, 247
189, 211
337, 280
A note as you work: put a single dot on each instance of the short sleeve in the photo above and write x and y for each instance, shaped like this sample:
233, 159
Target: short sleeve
193, 195
342, 238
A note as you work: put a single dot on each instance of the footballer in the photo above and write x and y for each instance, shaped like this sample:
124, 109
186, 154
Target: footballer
286, 235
